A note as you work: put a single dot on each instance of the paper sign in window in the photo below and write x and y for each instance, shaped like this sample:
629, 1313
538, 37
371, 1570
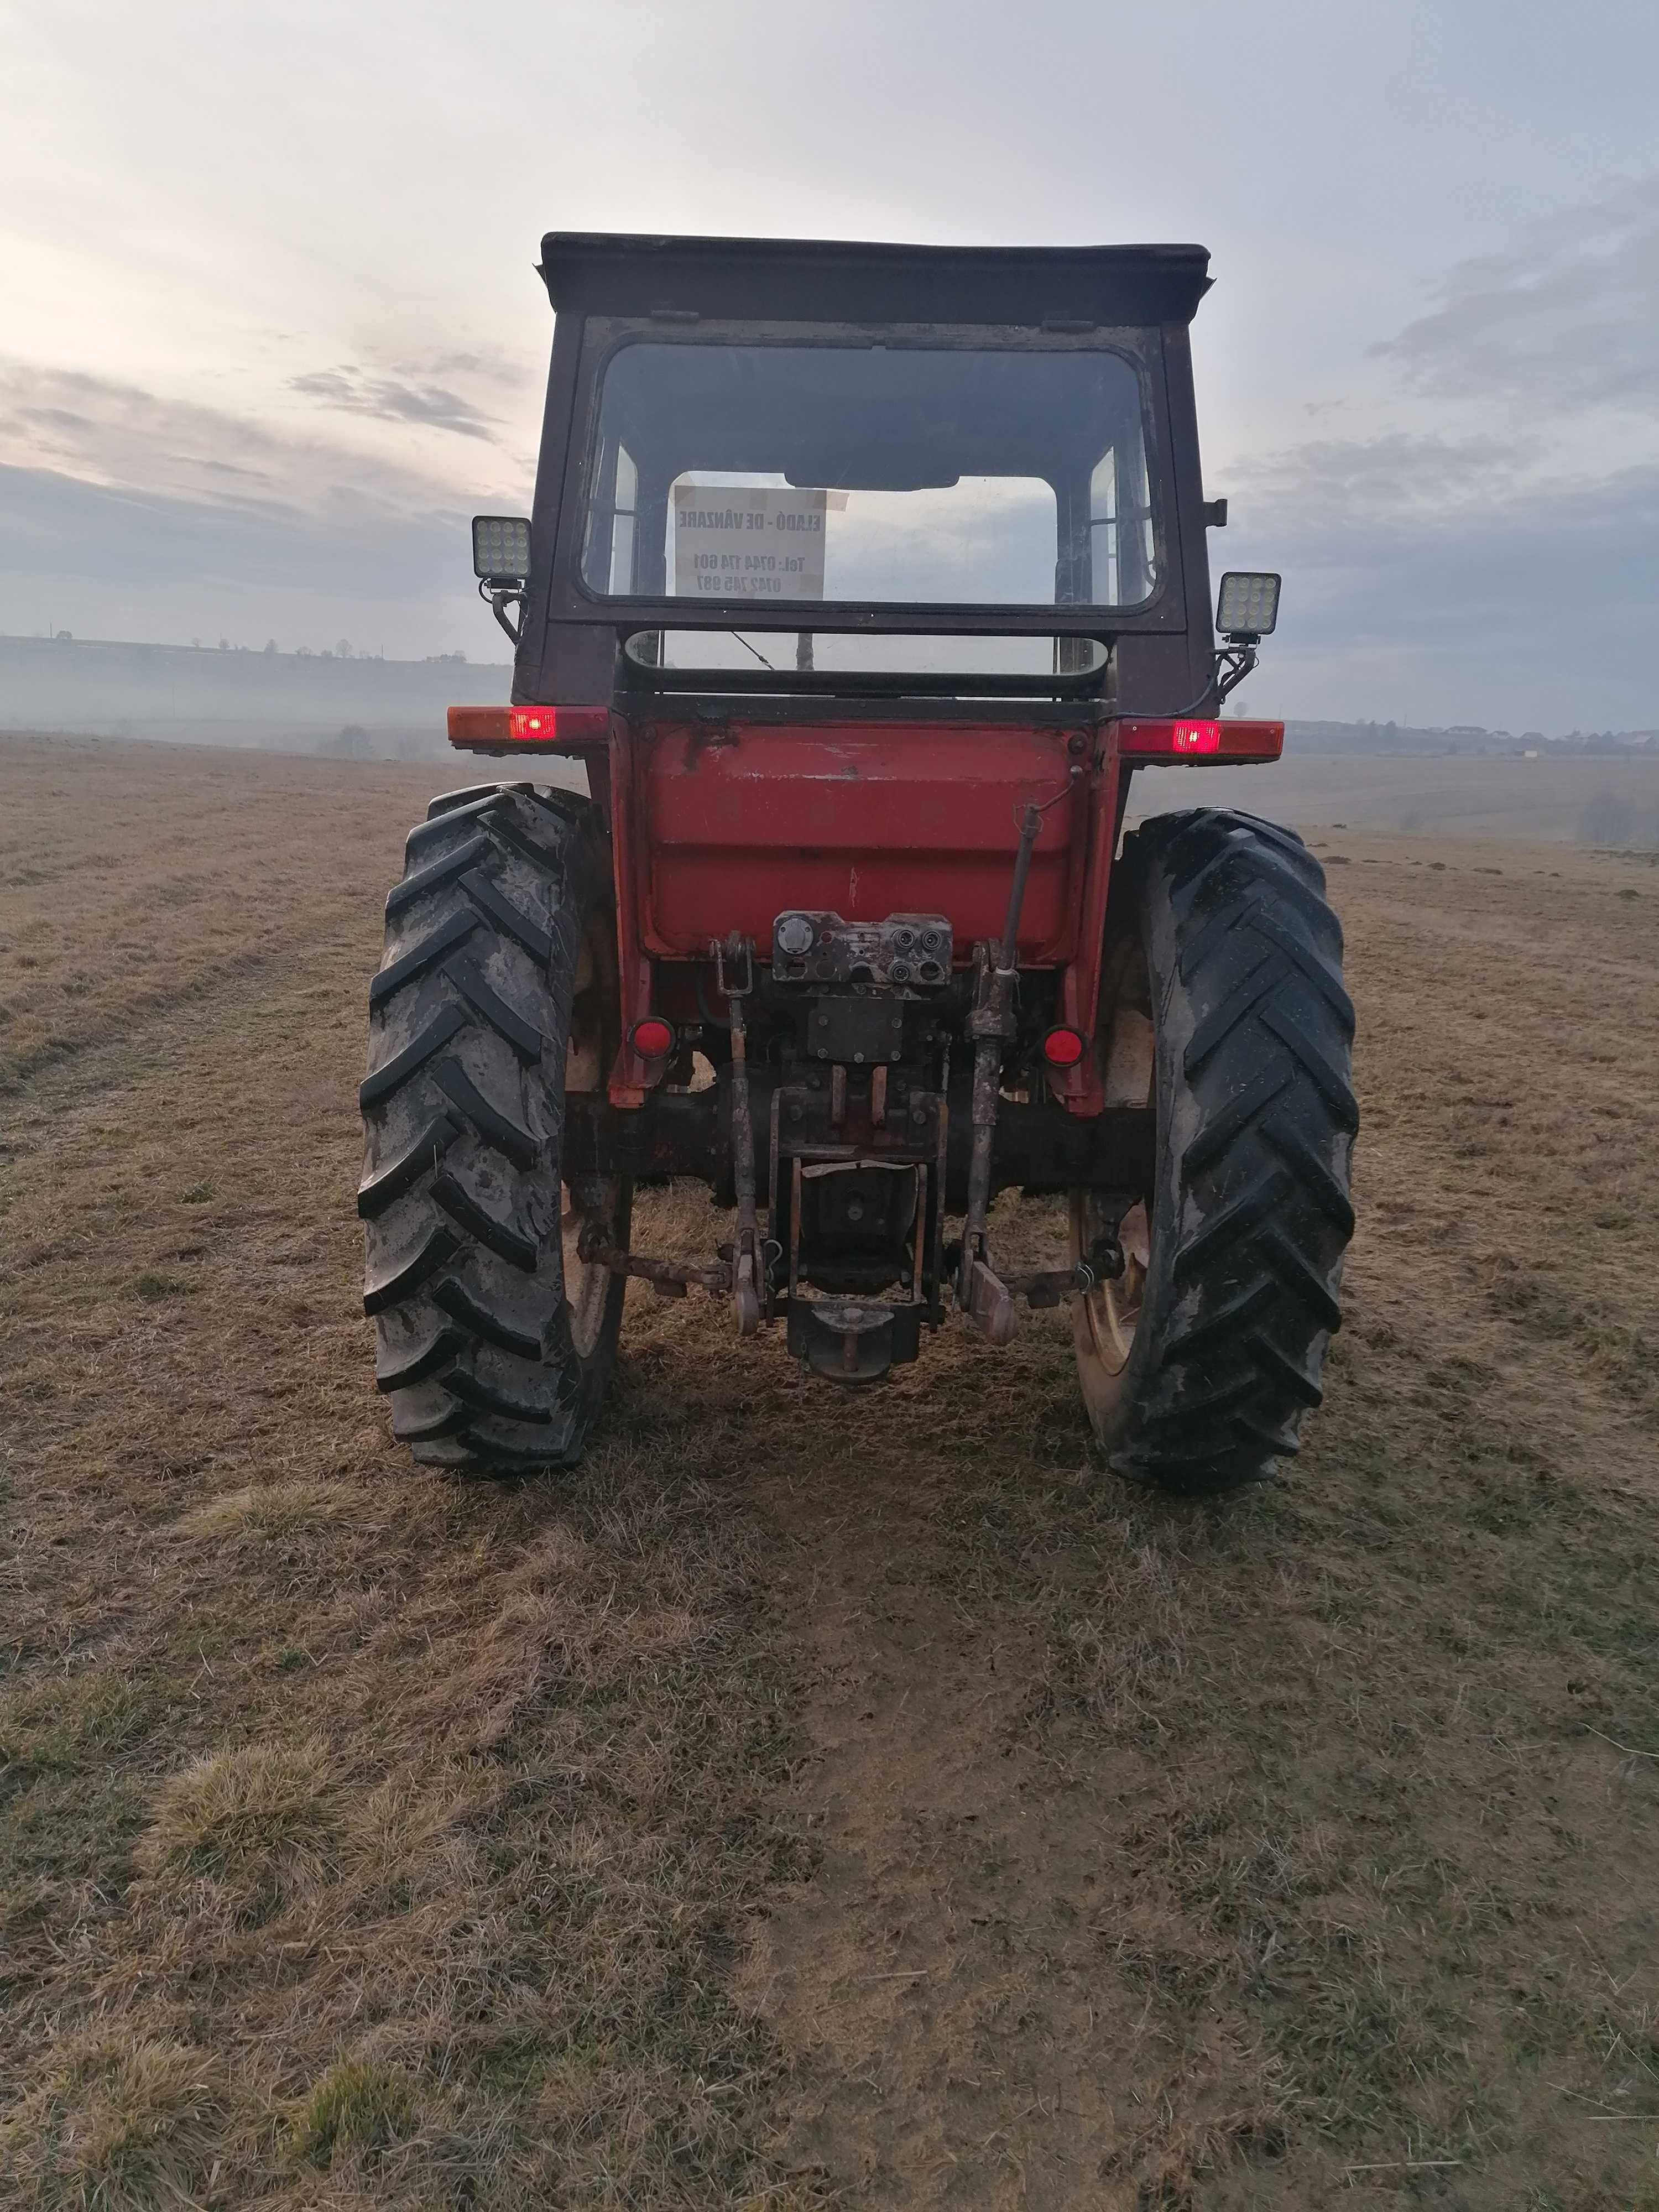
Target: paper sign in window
737, 545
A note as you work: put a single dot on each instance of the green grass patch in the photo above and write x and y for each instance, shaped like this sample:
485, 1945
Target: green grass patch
356, 2110
65, 1725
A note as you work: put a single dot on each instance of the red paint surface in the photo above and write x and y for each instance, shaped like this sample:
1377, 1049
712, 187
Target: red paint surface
717, 829
868, 820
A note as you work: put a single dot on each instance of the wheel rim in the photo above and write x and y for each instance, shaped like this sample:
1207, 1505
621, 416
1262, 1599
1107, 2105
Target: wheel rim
1106, 1321
1111, 1312
586, 1286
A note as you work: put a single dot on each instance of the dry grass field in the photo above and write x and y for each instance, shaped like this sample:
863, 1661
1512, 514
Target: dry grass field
817, 1798
1429, 794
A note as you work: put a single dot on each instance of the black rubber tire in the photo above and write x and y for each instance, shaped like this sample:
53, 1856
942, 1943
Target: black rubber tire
470, 1018
1224, 916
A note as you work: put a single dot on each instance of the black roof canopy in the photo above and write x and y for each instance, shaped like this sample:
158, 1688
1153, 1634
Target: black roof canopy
835, 280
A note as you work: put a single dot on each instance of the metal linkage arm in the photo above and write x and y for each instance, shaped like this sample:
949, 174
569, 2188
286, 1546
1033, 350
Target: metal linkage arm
734, 977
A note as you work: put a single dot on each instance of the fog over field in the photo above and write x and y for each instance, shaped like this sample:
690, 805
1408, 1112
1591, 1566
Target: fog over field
356, 706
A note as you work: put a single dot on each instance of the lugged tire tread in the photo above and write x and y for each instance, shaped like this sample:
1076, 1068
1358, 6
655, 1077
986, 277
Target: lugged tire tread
1253, 1199
1324, 973
413, 964
435, 875
485, 1398
402, 1371
1213, 1031
468, 799
1236, 1219
450, 1421
469, 1213
430, 834
1299, 1277
499, 909
470, 1019
1226, 1321
1236, 1115
1312, 1172
495, 1127
516, 839
399, 1281
398, 1070
402, 1173
1332, 1078
483, 1324
525, 1039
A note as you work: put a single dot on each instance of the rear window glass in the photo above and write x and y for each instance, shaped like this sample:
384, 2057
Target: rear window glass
787, 474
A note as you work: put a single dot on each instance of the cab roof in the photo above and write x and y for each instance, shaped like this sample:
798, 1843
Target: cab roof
840, 279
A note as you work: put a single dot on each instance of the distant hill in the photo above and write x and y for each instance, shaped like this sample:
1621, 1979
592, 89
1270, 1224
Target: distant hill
229, 696
1465, 740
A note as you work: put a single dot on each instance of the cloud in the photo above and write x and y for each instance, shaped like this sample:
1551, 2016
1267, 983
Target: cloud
1475, 520
394, 400
1392, 473
1528, 607
1570, 319
96, 430
130, 514
510, 371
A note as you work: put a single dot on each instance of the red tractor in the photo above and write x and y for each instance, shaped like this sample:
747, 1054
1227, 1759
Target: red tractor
861, 579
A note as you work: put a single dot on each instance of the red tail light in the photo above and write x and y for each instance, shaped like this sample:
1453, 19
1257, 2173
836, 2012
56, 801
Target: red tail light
652, 1037
494, 729
1138, 739
1064, 1048
1196, 737
524, 723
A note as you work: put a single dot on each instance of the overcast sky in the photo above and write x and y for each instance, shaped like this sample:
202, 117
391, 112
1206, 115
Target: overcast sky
269, 329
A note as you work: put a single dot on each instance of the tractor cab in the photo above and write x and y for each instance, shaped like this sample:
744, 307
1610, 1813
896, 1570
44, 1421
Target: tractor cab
826, 470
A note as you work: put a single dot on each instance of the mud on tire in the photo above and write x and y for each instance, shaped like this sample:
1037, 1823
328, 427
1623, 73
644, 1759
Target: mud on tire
494, 1345
1227, 1013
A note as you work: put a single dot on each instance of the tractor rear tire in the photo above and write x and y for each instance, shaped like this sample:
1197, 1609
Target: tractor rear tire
1223, 1007
497, 992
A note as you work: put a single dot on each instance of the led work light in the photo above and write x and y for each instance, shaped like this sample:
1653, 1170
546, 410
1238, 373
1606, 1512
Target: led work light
1248, 605
501, 548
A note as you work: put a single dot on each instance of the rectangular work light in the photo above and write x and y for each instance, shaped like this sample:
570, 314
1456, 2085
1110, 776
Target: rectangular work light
1248, 605
501, 548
